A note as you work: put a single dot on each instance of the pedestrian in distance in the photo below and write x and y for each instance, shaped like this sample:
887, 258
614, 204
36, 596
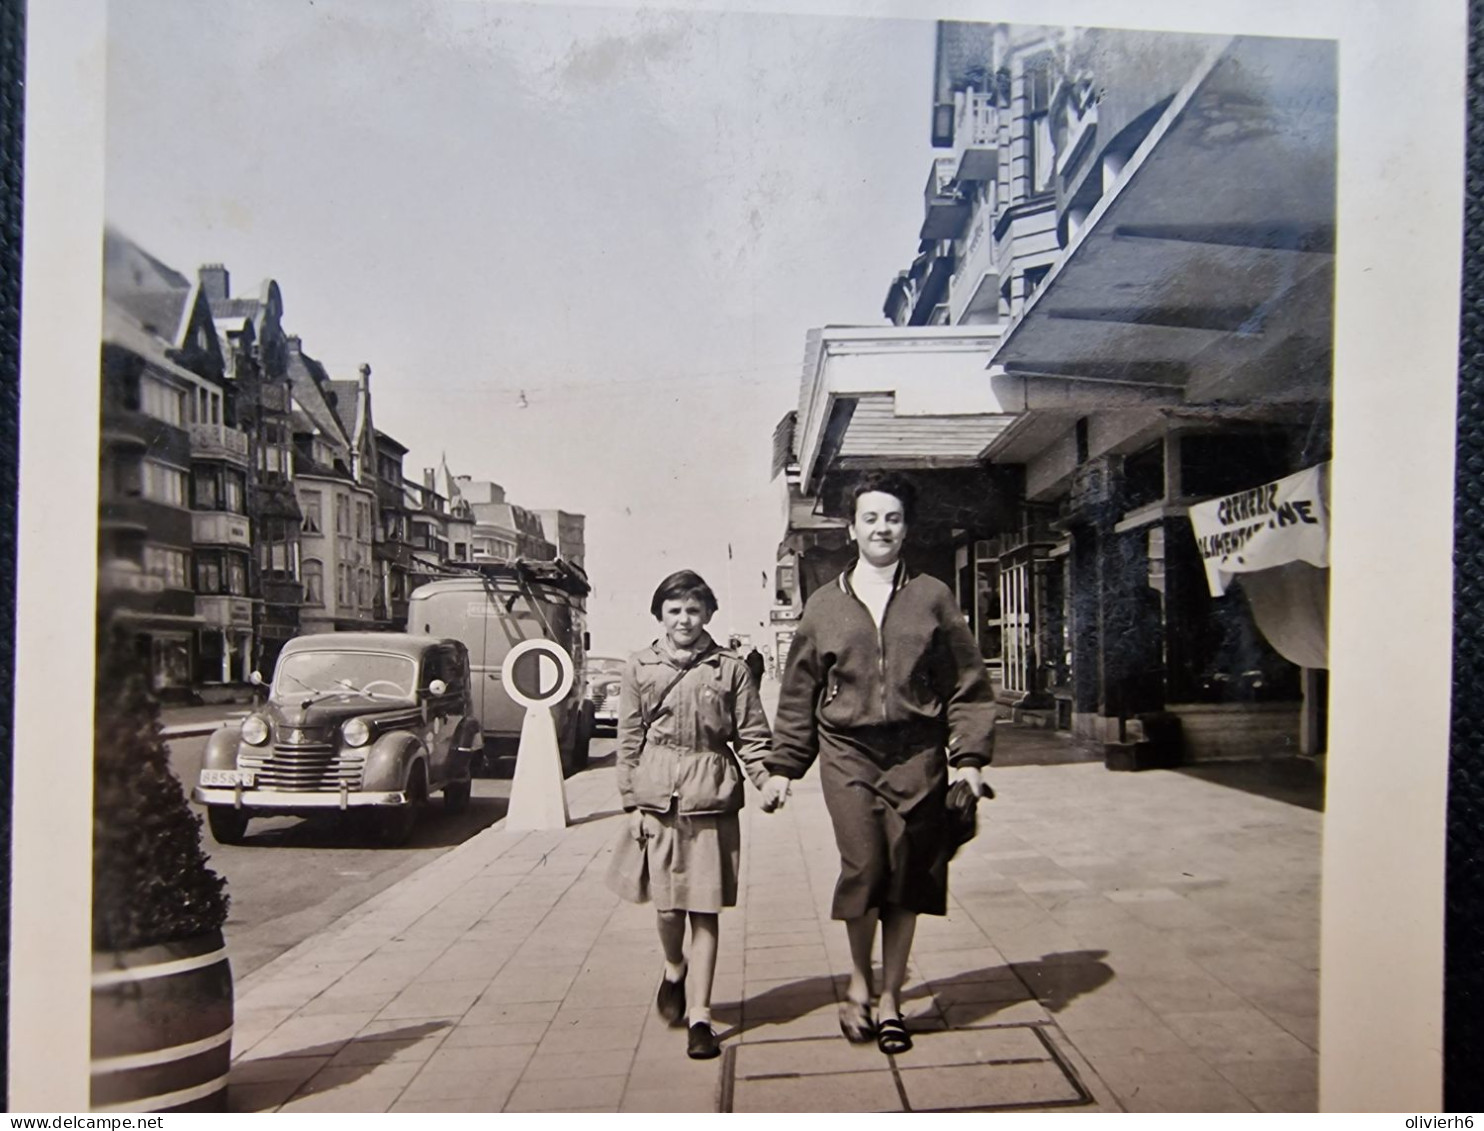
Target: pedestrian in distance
886, 687
755, 665
688, 715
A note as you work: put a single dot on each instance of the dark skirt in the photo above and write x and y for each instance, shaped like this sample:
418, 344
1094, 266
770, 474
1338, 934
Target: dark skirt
885, 788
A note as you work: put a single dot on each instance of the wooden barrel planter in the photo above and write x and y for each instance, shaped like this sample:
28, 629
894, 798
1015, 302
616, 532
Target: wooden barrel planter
162, 1027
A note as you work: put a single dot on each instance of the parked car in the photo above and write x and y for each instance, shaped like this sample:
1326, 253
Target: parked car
493, 606
372, 722
604, 677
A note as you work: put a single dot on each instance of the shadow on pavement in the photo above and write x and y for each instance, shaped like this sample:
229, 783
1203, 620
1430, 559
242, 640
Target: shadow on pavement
351, 1061
1293, 780
1054, 980
601, 815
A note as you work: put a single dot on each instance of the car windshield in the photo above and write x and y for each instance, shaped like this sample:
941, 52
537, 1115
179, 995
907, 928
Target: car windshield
372, 675
604, 665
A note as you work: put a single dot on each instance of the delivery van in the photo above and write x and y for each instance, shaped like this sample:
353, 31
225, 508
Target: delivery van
492, 607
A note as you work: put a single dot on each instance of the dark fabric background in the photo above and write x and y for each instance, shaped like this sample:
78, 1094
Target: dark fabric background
12, 74
1464, 1005
1463, 1010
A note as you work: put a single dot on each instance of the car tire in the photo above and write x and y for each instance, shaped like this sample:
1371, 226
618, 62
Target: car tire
228, 826
394, 829
456, 796
582, 746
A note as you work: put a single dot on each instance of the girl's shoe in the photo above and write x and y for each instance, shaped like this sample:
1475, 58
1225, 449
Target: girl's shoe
701, 1044
669, 1002
855, 1022
892, 1036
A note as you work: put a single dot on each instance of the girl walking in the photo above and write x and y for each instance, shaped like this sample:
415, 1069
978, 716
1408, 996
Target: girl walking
688, 711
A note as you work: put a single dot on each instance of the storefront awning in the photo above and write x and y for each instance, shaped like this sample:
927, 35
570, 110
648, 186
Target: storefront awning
1204, 275
896, 397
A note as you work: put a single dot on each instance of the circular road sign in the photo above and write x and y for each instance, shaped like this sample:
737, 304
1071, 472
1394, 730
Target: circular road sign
538, 673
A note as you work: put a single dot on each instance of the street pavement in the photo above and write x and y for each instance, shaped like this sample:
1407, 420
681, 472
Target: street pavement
1139, 942
294, 877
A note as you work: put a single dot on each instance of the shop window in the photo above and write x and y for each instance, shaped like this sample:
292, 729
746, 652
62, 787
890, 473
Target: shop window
1144, 476
989, 620
1219, 464
170, 661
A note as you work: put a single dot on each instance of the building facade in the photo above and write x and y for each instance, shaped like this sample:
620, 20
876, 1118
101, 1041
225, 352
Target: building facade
1140, 227
250, 329
567, 533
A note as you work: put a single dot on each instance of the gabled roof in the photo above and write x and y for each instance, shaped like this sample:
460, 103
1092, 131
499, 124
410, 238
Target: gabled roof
310, 384
153, 294
347, 405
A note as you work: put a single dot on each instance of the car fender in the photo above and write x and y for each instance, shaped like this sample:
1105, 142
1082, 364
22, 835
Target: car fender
470, 736
222, 747
389, 760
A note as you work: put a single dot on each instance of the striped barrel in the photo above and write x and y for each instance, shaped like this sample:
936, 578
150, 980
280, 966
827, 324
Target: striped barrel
162, 1027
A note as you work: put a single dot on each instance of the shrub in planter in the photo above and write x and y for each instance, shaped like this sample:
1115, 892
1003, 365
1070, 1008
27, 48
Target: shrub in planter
162, 985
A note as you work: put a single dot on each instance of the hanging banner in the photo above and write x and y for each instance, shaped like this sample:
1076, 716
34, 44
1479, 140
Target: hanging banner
1267, 526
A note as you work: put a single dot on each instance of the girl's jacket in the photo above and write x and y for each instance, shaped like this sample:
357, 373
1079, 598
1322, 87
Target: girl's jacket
921, 672
687, 758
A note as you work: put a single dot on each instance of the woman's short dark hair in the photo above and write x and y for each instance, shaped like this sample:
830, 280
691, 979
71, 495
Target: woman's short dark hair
887, 483
680, 585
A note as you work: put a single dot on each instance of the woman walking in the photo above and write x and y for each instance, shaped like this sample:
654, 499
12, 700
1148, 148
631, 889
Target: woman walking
688, 711
885, 685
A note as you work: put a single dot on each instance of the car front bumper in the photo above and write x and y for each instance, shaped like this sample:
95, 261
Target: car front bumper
289, 801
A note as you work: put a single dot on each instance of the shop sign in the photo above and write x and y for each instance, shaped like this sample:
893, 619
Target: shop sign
1271, 525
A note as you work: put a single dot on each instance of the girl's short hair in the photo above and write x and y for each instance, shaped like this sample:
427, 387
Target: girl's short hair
680, 585
887, 483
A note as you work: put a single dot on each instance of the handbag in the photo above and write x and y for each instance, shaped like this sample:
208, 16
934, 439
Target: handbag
962, 811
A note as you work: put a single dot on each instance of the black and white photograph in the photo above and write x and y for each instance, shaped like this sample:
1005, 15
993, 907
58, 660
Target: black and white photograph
693, 558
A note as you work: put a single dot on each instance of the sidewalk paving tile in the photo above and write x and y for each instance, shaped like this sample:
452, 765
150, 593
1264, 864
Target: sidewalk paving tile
981, 1086
1162, 931
568, 1093
844, 1092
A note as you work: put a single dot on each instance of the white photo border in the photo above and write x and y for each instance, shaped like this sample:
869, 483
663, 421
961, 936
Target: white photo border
1401, 176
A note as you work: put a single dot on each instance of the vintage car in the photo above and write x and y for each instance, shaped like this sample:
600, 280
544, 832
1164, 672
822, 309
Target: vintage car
604, 678
374, 722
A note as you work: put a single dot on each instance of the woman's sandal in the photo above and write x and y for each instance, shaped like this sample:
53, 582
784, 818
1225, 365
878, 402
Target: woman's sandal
855, 1022
892, 1036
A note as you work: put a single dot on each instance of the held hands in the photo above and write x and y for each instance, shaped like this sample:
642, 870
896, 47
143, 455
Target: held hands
970, 774
775, 792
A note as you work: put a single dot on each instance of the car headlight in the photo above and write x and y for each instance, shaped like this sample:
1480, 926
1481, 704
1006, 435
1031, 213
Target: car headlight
254, 730
356, 732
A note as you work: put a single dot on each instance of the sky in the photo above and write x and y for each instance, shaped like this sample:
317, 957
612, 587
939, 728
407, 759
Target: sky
579, 248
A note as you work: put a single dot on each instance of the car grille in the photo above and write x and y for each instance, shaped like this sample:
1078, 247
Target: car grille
306, 768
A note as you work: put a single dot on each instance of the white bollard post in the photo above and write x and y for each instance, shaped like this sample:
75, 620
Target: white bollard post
538, 795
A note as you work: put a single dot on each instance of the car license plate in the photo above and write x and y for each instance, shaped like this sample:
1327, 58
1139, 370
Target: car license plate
227, 777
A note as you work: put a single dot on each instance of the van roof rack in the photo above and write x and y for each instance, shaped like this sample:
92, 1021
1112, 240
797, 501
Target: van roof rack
558, 574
